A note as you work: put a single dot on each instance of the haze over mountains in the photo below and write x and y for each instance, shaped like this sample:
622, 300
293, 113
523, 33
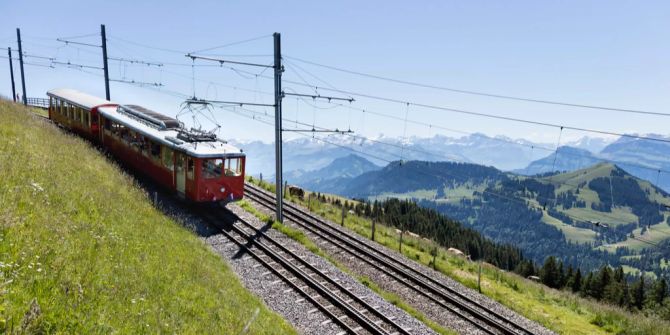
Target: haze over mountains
310, 154
641, 158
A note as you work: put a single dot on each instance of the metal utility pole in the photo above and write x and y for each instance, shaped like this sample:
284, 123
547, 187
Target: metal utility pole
104, 59
278, 126
11, 73
278, 95
23, 76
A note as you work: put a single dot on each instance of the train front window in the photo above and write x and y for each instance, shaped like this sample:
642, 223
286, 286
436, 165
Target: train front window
211, 168
233, 167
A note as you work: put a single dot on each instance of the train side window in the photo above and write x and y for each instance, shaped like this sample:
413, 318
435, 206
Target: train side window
115, 128
211, 168
119, 130
155, 151
190, 168
168, 158
143, 144
233, 167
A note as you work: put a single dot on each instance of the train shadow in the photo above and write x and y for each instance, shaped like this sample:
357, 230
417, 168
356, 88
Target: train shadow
228, 219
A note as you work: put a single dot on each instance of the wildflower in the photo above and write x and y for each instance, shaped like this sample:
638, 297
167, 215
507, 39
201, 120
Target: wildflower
37, 187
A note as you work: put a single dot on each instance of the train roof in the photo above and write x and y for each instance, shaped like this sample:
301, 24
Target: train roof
154, 126
80, 99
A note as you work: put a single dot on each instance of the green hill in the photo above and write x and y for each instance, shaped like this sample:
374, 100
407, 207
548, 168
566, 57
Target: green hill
545, 215
83, 250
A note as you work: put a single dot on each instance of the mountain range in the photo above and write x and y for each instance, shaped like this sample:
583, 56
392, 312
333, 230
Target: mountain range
304, 156
643, 158
308, 154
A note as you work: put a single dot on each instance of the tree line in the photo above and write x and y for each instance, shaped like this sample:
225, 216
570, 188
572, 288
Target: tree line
610, 285
607, 284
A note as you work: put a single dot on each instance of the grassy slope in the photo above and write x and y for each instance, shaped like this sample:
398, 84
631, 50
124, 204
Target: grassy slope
560, 311
83, 242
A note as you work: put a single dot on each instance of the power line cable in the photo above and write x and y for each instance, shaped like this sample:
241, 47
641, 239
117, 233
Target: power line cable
147, 46
461, 111
231, 44
491, 95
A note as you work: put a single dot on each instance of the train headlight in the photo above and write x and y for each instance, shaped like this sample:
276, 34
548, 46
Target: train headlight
223, 189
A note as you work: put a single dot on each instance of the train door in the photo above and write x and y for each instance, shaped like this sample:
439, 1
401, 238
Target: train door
180, 172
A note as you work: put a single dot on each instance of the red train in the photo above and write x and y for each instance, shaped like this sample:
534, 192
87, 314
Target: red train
195, 164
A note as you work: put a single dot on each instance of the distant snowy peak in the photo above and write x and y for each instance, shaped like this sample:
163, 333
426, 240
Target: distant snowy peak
592, 144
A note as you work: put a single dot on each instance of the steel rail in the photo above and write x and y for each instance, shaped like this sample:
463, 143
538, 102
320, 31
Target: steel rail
325, 292
417, 277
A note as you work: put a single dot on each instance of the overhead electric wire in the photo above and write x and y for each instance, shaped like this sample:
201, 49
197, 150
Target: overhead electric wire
493, 116
471, 92
29, 63
232, 43
80, 36
349, 106
291, 64
147, 46
461, 111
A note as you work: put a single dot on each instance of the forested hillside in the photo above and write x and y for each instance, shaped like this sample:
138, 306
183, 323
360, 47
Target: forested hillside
598, 215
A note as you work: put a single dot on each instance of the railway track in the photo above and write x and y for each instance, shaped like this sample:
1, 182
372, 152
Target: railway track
444, 296
337, 302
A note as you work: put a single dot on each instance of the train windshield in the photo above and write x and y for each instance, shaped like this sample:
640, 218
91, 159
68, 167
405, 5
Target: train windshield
211, 168
233, 167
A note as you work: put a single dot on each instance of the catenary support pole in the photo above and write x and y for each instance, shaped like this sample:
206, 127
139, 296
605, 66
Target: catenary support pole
103, 34
372, 235
11, 73
23, 76
278, 126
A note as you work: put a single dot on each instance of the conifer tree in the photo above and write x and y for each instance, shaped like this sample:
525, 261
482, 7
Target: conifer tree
638, 293
659, 291
577, 281
550, 275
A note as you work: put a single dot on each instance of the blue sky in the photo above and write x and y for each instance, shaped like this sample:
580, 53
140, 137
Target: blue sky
607, 53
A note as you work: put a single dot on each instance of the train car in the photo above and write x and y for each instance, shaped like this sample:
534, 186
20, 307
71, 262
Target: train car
77, 111
196, 165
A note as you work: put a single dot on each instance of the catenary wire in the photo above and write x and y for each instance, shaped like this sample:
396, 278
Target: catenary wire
491, 95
